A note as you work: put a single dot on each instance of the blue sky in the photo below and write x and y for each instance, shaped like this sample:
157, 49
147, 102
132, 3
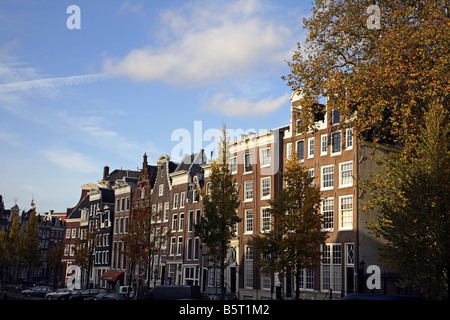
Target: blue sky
139, 76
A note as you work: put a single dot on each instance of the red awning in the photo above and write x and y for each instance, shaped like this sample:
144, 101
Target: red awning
113, 276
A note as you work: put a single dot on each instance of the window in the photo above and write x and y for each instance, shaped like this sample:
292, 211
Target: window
346, 212
300, 149
161, 189
328, 214
310, 147
233, 165
68, 234
126, 225
248, 190
336, 117
174, 222
289, 151
74, 233
265, 157
323, 144
172, 245
191, 221
181, 222
127, 204
311, 175
196, 247
336, 143
265, 188
166, 211
189, 249
182, 199
180, 246
265, 219
248, 264
327, 177
349, 138
306, 279
298, 123
346, 174
331, 267
175, 201
247, 162
249, 221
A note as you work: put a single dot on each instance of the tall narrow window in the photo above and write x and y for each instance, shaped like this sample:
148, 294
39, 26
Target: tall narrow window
346, 212
328, 214
327, 177
247, 162
249, 221
349, 138
233, 165
310, 147
265, 219
265, 188
248, 190
346, 174
323, 144
248, 267
336, 142
301, 149
265, 157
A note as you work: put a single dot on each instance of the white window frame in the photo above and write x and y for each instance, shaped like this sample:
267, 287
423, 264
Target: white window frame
248, 267
264, 156
342, 172
249, 221
161, 189
248, 192
263, 181
289, 150
331, 264
247, 165
327, 210
233, 165
333, 134
265, 220
322, 181
323, 145
182, 199
346, 219
349, 138
310, 148
175, 201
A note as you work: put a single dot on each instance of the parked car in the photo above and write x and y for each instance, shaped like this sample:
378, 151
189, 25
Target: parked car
38, 291
67, 295
104, 296
126, 292
172, 292
87, 293
58, 293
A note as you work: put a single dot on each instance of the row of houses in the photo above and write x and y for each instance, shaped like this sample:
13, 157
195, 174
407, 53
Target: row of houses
337, 161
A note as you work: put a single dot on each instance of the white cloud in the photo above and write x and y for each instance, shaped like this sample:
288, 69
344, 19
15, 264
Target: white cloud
204, 41
70, 160
50, 83
231, 106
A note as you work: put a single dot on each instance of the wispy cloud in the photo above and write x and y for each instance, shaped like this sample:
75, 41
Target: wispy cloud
70, 160
242, 107
51, 82
205, 41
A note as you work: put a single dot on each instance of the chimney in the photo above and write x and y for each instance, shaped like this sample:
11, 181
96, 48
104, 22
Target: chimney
105, 172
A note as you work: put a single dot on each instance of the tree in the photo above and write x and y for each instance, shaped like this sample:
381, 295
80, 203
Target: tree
29, 247
294, 241
215, 227
54, 258
411, 192
85, 252
382, 80
144, 240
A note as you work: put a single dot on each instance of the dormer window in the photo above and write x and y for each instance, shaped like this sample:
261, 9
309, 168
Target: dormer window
335, 117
